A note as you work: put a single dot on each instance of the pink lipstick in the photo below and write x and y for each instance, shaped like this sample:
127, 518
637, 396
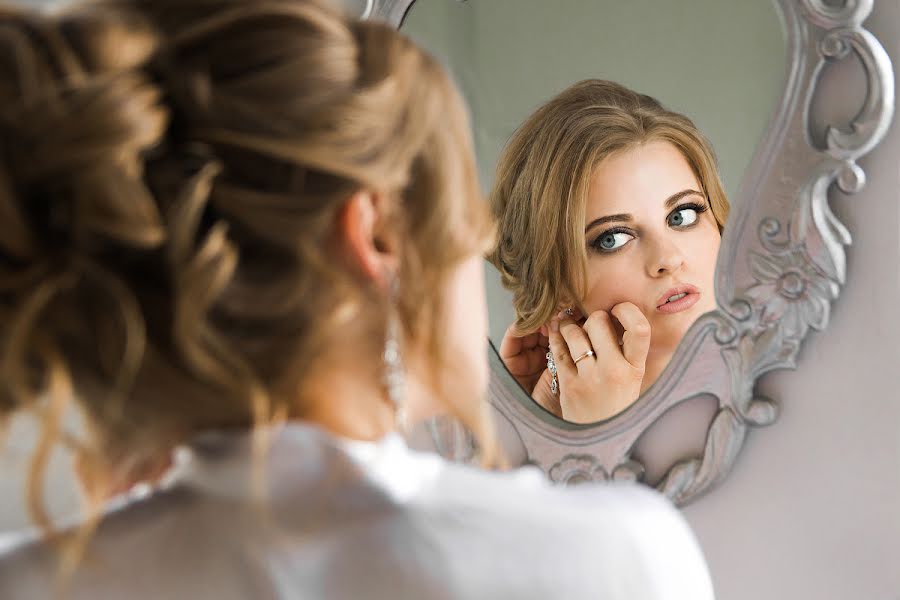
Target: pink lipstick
678, 299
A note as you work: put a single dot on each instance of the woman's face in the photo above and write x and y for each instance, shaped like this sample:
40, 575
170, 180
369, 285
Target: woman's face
651, 240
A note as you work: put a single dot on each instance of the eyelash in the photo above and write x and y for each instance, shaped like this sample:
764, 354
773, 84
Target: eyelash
595, 244
698, 208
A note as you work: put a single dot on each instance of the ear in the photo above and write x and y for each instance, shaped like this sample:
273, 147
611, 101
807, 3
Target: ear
363, 239
566, 303
573, 312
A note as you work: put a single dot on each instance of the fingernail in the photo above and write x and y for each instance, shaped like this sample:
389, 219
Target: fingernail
554, 325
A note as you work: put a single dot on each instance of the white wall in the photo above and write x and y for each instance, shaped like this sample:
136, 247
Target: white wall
812, 507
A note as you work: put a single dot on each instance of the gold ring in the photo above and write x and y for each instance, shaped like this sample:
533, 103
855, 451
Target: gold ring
585, 355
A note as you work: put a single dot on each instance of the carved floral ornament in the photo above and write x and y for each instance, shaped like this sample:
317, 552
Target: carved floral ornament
781, 265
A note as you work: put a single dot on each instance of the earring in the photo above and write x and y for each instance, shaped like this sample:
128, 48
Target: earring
570, 311
394, 376
554, 381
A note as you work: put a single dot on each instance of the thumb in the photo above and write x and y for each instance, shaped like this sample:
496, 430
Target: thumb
636, 339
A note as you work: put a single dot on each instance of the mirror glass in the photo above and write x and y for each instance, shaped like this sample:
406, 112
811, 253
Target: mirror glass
719, 63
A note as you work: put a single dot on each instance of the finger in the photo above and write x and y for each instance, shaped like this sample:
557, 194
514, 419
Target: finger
636, 340
576, 339
575, 336
513, 342
602, 333
561, 355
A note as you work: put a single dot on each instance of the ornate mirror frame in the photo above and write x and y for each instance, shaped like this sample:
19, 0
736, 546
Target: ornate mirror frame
781, 265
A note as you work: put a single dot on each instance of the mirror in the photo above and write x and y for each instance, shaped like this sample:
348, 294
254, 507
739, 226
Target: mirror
781, 260
511, 57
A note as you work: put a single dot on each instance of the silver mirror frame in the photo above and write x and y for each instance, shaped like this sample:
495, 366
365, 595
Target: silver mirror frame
781, 265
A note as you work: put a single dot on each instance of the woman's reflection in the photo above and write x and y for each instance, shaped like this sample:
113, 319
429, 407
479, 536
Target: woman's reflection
610, 212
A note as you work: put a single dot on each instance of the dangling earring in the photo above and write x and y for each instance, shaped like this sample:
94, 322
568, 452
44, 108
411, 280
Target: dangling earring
554, 381
394, 376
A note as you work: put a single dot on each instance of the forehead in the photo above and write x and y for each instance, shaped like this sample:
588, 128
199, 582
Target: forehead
640, 178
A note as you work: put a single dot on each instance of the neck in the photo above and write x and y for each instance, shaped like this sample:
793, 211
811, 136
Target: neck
345, 404
353, 402
345, 398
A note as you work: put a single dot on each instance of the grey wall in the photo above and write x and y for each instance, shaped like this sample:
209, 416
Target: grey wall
812, 507
721, 62
61, 496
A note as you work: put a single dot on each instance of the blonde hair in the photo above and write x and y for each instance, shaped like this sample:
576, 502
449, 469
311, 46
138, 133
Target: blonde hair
170, 173
543, 178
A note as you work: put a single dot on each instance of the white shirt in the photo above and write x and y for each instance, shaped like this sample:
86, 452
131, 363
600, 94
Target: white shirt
363, 520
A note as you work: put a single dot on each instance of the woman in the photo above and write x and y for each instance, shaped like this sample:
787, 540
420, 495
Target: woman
610, 212
243, 238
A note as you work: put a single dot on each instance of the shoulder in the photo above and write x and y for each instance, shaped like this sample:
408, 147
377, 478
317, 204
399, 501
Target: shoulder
597, 540
170, 545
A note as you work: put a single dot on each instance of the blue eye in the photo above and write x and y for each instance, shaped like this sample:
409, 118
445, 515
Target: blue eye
612, 240
683, 217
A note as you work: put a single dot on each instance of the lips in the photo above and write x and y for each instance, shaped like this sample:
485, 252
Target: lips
678, 299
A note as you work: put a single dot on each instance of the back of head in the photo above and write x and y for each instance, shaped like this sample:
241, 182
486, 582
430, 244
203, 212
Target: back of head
170, 176
542, 183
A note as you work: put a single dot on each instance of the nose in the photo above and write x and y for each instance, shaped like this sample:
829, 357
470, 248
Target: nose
665, 258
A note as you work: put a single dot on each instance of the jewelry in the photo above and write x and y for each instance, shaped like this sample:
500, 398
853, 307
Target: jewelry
585, 355
551, 366
570, 311
394, 375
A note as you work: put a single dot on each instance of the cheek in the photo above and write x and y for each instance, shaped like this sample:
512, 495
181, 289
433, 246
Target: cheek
603, 270
707, 252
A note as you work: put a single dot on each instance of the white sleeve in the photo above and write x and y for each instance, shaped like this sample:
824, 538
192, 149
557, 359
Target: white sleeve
517, 536
663, 559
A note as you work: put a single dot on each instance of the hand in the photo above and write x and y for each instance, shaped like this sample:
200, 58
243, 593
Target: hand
603, 385
525, 356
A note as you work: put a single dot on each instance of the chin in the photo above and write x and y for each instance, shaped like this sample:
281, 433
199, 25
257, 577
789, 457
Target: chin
670, 336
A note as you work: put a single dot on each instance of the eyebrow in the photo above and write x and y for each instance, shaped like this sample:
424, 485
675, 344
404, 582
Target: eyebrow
670, 202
